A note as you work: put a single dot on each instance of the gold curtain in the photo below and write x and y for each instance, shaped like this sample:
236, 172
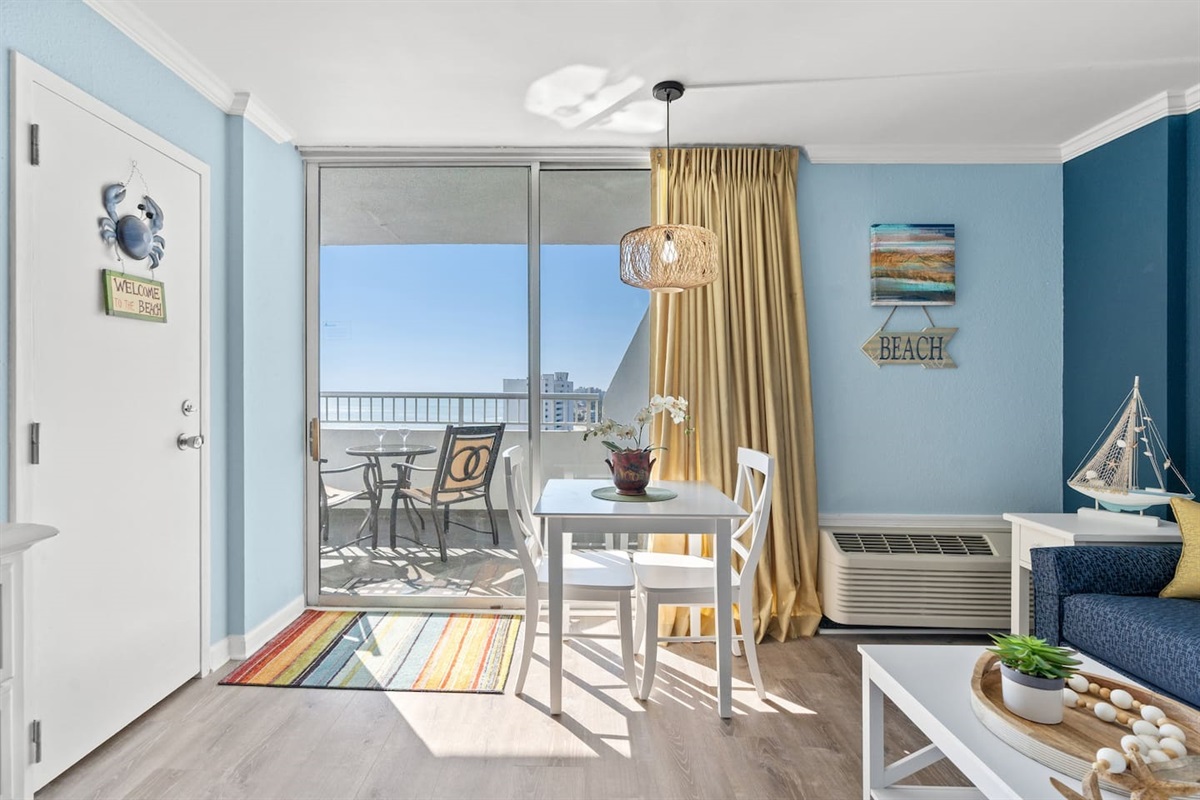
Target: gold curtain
737, 349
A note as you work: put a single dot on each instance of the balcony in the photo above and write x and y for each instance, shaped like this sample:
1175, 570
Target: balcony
475, 568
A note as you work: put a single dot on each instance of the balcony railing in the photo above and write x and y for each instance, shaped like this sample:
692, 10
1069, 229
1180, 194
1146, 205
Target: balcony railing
560, 411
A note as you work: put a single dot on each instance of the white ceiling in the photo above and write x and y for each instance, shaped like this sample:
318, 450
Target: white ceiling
971, 73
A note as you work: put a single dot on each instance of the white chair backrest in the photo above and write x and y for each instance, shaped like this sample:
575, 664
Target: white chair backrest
751, 464
520, 516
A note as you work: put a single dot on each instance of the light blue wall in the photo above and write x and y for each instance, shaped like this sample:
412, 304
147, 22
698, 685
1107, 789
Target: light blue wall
267, 382
71, 40
980, 439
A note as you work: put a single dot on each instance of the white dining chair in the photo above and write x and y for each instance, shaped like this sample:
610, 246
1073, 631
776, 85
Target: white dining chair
678, 579
588, 576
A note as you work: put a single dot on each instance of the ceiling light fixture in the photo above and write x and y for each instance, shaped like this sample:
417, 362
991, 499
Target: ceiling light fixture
669, 258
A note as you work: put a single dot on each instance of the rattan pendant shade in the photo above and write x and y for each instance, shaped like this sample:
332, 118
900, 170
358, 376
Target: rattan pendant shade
669, 258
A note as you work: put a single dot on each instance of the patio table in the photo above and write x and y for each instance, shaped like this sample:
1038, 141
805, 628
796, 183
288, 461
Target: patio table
375, 482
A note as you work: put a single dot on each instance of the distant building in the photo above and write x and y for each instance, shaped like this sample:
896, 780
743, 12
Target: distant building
586, 410
556, 414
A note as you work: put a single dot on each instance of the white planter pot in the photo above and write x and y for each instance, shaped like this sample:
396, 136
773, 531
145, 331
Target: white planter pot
1035, 699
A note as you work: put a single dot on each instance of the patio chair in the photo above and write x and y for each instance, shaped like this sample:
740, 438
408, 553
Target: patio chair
463, 473
597, 575
329, 497
687, 580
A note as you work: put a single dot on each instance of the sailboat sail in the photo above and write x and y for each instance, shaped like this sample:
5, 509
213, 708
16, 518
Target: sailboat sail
1109, 473
1113, 466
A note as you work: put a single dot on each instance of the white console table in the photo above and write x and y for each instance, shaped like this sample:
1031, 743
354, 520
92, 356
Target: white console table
1068, 530
15, 539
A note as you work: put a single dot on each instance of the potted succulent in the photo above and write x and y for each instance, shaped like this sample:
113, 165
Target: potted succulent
1032, 676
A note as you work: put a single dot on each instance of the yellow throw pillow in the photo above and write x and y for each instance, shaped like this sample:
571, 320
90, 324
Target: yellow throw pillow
1187, 575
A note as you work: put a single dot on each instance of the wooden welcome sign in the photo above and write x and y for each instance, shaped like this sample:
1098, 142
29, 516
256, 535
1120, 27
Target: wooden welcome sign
138, 298
926, 347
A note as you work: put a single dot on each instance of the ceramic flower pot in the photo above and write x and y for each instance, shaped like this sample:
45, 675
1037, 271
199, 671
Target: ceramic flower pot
1035, 699
630, 470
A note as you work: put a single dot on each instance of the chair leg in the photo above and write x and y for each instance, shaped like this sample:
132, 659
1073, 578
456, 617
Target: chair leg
446, 518
409, 510
441, 535
651, 640
639, 632
487, 500
746, 611
532, 611
625, 623
392, 522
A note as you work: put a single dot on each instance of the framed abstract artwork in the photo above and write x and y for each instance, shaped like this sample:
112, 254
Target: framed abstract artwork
912, 265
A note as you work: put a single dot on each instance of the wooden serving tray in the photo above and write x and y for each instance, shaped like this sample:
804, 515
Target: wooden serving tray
1070, 747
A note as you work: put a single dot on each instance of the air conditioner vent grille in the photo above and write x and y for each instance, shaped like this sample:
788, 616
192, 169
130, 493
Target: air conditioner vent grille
902, 543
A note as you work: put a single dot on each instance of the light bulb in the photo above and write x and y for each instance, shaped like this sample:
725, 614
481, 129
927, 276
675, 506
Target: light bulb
669, 253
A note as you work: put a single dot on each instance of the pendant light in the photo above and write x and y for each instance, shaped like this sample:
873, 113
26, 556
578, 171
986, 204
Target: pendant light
669, 258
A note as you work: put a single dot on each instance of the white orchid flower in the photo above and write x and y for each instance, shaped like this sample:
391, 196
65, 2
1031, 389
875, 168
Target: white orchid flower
609, 429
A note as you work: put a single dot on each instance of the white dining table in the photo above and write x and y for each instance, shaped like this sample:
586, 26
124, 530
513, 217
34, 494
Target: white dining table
568, 507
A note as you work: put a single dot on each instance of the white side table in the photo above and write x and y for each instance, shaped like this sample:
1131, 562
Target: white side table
15, 750
1067, 530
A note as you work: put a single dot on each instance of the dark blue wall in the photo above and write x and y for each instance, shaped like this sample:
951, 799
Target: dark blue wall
1193, 295
1125, 267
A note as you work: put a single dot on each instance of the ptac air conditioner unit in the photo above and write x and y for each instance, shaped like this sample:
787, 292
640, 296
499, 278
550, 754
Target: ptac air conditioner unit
916, 578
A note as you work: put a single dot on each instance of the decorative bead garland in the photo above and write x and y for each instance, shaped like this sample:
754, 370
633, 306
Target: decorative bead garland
1153, 734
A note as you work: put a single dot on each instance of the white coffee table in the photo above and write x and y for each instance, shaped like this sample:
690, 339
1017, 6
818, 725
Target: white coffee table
931, 684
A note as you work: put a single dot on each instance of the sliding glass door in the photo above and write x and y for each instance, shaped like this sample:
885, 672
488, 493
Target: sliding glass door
435, 292
594, 328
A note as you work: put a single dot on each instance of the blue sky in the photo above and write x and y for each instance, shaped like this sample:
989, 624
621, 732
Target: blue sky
453, 318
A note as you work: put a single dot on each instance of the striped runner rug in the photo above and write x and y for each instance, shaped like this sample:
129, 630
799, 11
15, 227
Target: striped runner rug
391, 651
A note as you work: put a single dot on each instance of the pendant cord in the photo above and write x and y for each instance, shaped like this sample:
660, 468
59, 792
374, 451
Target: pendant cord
668, 217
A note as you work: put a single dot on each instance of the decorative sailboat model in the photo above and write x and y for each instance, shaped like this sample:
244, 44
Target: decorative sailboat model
1110, 473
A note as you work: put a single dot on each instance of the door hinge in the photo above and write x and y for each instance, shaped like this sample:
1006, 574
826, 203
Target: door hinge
34, 145
35, 738
35, 443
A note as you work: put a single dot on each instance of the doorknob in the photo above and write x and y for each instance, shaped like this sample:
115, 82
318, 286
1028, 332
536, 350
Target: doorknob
186, 442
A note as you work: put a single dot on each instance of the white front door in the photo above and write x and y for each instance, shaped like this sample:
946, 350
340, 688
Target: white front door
116, 603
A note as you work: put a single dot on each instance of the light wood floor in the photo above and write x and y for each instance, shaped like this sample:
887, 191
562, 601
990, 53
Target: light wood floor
210, 741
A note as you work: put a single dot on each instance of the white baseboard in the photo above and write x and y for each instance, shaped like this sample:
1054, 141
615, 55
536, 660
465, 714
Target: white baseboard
243, 645
218, 654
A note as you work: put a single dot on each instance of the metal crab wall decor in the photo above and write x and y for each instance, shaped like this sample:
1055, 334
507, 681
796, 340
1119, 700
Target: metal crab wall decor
135, 235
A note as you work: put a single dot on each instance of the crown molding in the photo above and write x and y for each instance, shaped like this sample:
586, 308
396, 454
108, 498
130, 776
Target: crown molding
932, 154
144, 32
253, 110
1160, 105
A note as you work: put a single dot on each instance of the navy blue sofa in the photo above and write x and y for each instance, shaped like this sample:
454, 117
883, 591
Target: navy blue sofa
1104, 602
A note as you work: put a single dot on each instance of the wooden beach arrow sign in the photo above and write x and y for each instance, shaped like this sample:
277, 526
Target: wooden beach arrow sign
927, 347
